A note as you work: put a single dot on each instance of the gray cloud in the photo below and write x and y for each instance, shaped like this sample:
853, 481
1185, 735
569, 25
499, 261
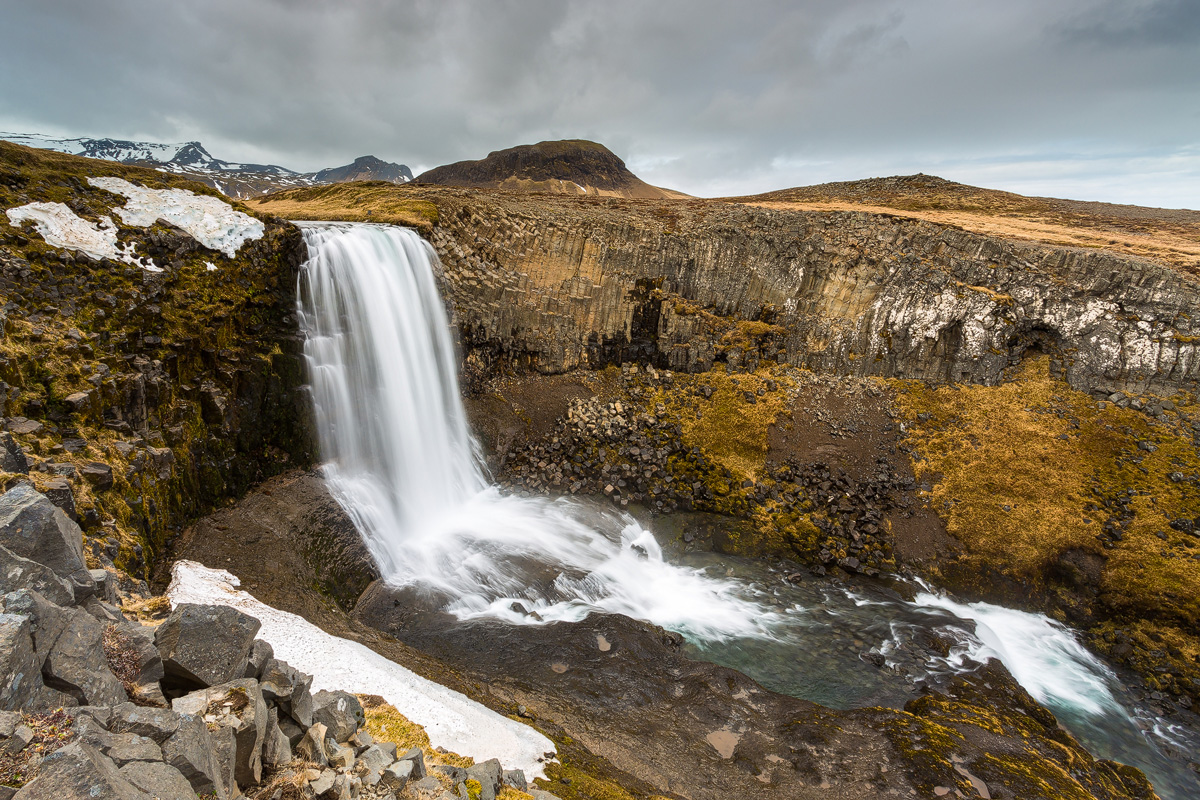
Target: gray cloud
1098, 99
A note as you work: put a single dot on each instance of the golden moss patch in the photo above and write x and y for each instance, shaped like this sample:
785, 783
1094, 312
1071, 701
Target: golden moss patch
1070, 498
731, 430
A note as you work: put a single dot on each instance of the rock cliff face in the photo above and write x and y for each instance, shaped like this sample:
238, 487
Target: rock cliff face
558, 283
137, 400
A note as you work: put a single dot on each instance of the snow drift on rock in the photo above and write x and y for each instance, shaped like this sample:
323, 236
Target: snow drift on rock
62, 227
211, 221
451, 719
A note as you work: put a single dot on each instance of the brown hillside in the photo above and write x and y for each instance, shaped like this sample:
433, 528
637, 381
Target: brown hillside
1167, 235
570, 166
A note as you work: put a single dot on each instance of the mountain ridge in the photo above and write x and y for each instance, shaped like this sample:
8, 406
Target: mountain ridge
192, 160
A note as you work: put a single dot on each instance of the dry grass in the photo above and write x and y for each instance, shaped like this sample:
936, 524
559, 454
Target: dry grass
1029, 471
51, 730
153, 609
122, 659
374, 201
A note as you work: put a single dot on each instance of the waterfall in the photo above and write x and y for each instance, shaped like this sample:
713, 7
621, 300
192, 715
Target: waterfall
401, 460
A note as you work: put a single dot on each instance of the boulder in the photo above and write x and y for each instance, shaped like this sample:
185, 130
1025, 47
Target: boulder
396, 776
79, 772
338, 711
516, 779
33, 528
238, 705
277, 750
20, 738
159, 724
415, 755
371, 764
145, 659
490, 776
341, 756
17, 573
76, 664
323, 783
260, 653
58, 491
291, 730
12, 457
20, 670
193, 750
225, 762
204, 645
47, 620
69, 644
106, 586
98, 474
289, 688
123, 748
312, 746
79, 402
361, 740
158, 780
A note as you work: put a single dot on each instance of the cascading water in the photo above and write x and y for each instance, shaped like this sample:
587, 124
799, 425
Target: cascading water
403, 463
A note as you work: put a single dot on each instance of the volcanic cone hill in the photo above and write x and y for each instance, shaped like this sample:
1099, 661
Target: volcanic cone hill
570, 166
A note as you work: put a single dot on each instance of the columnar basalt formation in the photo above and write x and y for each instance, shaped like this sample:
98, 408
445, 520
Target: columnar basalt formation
555, 284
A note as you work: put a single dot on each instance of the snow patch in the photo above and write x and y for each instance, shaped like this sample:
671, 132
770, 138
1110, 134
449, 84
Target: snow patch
211, 221
451, 719
62, 227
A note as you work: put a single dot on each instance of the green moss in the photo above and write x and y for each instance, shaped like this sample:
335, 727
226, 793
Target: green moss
86, 326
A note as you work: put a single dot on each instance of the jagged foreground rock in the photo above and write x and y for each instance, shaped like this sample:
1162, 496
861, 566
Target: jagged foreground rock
94, 705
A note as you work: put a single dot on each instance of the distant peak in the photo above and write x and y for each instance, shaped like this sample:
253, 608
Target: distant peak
566, 166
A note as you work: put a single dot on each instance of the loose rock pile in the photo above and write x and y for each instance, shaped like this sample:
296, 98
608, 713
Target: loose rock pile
632, 450
94, 705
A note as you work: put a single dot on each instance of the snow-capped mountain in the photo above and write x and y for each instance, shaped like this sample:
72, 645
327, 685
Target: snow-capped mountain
191, 160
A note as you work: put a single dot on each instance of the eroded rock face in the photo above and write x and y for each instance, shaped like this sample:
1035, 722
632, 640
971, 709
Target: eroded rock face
556, 284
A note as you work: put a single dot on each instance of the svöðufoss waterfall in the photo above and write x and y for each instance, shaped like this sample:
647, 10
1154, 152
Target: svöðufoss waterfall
401, 460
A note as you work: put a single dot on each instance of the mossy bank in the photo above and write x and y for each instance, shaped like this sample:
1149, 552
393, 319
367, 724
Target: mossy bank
137, 399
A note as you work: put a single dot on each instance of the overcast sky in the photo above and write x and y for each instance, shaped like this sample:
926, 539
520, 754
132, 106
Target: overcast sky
1088, 99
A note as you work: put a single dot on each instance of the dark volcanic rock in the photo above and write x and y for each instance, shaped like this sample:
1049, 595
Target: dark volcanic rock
79, 772
915, 299
339, 712
18, 573
32, 527
204, 645
12, 457
20, 668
